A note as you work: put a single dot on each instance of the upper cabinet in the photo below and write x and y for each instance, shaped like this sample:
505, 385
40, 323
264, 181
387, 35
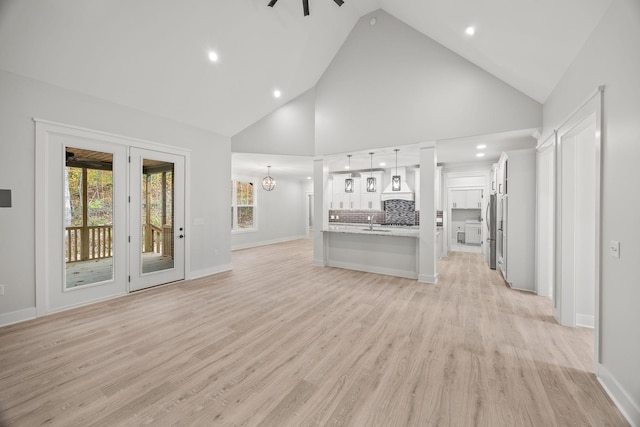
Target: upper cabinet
359, 198
466, 199
494, 178
502, 175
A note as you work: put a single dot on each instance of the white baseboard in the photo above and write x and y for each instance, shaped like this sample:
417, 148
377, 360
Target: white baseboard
624, 401
424, 278
319, 263
585, 320
267, 242
17, 316
374, 269
196, 274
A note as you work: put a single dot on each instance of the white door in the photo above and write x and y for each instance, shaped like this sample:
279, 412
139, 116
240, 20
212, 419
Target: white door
157, 226
81, 218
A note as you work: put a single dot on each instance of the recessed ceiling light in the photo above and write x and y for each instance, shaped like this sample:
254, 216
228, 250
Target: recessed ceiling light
277, 93
373, 21
481, 147
308, 177
213, 56
347, 167
480, 155
470, 30
383, 164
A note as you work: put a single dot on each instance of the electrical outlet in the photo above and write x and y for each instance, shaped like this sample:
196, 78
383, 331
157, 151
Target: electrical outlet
614, 246
1, 289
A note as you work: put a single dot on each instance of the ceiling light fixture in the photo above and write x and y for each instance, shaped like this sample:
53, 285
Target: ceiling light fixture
277, 93
213, 56
395, 180
348, 183
480, 155
371, 181
470, 30
481, 147
383, 164
268, 183
305, 5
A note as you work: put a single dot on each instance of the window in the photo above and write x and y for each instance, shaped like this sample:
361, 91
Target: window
242, 205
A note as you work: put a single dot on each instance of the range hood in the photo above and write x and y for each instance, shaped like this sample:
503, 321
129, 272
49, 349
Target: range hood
405, 193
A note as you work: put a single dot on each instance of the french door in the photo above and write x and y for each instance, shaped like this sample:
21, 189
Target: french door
110, 216
157, 234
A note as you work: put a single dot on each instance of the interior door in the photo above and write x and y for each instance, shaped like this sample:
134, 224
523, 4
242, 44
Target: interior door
157, 205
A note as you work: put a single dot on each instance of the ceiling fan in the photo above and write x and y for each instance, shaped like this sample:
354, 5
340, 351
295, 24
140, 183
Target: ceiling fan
305, 5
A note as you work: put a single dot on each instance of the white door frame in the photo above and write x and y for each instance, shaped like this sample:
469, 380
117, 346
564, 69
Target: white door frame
565, 313
44, 131
546, 148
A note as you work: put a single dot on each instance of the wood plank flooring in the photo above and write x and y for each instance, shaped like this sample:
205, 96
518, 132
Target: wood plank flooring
279, 342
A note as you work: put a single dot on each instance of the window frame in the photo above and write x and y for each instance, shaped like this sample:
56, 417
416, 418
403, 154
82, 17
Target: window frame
235, 205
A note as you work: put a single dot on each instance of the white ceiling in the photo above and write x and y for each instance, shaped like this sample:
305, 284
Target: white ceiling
152, 54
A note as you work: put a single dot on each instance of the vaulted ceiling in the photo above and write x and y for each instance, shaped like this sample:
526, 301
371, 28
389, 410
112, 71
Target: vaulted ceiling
152, 55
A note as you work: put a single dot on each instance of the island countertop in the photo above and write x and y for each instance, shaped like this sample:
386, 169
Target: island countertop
378, 230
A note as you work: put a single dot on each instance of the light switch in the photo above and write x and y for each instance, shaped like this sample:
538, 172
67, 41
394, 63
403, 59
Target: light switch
5, 198
614, 246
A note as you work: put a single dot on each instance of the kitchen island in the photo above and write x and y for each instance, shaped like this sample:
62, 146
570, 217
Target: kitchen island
392, 251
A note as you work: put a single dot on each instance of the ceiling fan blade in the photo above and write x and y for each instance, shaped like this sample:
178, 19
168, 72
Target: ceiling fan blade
339, 2
272, 3
305, 5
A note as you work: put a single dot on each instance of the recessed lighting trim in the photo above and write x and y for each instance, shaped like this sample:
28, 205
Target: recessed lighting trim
277, 93
383, 164
308, 177
481, 147
480, 155
470, 30
213, 56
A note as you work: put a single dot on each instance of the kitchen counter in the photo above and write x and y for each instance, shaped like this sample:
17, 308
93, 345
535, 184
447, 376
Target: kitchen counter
378, 230
384, 250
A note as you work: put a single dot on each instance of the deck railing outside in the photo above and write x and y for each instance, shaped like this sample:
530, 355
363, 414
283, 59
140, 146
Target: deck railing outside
98, 241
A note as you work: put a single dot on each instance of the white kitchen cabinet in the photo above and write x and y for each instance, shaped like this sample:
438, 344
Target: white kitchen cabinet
472, 233
466, 199
370, 200
341, 199
494, 178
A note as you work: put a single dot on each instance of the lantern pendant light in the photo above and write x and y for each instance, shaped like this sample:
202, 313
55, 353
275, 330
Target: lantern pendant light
371, 181
348, 183
395, 180
268, 183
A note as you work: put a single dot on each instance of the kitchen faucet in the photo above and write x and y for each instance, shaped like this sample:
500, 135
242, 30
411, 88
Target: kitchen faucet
370, 218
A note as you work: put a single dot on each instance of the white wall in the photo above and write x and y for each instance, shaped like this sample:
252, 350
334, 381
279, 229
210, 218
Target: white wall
289, 130
391, 85
610, 57
281, 215
21, 99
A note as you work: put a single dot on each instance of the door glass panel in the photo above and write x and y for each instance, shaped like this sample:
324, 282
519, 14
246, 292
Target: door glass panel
88, 217
157, 216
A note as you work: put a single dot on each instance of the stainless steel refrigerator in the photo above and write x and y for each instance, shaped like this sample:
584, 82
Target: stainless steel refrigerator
491, 220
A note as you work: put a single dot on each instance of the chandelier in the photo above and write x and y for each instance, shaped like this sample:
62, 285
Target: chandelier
268, 183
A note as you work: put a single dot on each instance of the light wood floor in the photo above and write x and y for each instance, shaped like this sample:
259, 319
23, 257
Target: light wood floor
279, 342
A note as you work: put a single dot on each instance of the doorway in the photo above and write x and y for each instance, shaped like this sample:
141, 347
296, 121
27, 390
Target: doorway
94, 242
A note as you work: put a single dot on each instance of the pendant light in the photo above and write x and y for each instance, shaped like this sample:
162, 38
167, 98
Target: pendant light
371, 181
348, 183
395, 180
268, 183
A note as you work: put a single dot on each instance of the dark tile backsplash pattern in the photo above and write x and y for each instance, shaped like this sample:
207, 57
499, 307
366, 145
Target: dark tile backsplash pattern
354, 216
402, 212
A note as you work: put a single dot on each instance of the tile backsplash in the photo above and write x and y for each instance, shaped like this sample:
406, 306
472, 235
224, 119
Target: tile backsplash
402, 212
356, 216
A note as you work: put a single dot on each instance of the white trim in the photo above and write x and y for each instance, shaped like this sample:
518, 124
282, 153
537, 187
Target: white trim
17, 316
623, 400
56, 127
197, 274
266, 242
423, 278
585, 320
373, 269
